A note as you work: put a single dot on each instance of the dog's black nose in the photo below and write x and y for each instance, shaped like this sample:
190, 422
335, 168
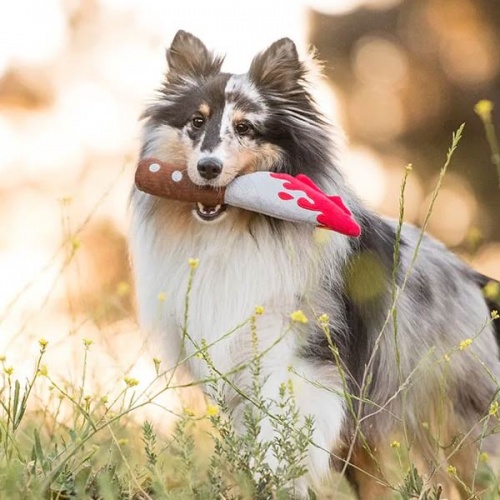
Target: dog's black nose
209, 168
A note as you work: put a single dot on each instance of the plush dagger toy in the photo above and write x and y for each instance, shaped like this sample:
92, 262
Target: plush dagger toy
283, 196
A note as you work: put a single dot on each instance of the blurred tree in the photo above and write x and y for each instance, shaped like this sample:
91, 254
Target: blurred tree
410, 75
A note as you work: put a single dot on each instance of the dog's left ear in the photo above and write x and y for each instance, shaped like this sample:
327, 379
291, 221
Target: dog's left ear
278, 66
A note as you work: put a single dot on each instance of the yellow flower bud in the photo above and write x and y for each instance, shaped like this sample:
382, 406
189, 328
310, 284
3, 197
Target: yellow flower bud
259, 310
298, 317
212, 410
484, 108
324, 319
493, 408
193, 263
131, 381
464, 344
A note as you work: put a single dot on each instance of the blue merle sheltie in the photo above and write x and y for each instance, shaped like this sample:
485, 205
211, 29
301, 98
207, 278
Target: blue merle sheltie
427, 372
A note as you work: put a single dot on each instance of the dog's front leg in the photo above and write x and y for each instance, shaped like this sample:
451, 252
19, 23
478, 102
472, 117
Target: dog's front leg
317, 394
315, 391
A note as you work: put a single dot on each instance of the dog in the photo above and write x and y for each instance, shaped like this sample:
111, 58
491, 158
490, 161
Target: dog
426, 367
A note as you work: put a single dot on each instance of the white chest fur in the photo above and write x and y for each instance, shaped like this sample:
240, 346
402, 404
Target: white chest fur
238, 270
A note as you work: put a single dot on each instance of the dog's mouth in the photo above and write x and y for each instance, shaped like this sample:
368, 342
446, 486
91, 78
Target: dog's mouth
208, 213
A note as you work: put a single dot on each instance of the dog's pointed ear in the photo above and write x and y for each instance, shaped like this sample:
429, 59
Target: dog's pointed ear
278, 66
187, 56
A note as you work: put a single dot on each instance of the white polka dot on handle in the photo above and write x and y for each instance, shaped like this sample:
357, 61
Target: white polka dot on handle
154, 167
177, 176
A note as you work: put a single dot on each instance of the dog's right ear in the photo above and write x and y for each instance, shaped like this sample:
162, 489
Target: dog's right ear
188, 57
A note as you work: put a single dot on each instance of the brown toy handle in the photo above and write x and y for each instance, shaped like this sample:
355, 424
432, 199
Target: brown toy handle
171, 181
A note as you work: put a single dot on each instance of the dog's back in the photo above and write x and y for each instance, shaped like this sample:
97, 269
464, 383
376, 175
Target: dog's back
424, 354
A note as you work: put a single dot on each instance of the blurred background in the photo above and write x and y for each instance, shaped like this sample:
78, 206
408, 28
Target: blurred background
402, 75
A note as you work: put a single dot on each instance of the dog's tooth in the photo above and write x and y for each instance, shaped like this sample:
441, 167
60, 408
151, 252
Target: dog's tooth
201, 208
217, 208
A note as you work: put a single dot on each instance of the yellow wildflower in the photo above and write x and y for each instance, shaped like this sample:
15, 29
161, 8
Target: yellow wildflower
193, 263
464, 344
162, 296
493, 408
324, 319
131, 381
259, 310
474, 236
492, 290
299, 317
188, 412
395, 444
484, 456
484, 108
66, 200
123, 442
212, 410
451, 470
494, 314
43, 343
104, 399
87, 342
43, 371
75, 243
9, 370
3, 357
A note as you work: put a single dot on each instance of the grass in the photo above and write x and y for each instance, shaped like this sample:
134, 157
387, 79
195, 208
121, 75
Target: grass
58, 441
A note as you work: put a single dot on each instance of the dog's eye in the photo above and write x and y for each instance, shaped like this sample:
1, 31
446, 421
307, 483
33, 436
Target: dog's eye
198, 121
243, 128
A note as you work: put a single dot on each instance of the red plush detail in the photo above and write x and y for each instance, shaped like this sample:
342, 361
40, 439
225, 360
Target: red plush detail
339, 202
333, 214
285, 196
336, 199
309, 182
